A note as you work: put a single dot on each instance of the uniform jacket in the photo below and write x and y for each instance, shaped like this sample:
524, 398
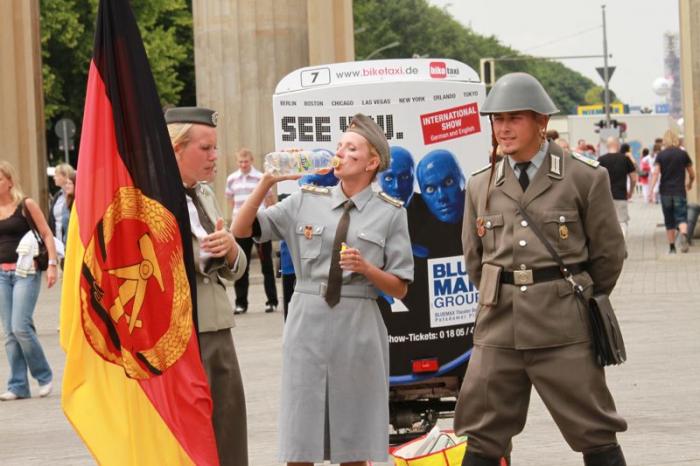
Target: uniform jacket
214, 311
570, 199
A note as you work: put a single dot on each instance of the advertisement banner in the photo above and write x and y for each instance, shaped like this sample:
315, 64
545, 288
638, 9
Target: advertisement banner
429, 111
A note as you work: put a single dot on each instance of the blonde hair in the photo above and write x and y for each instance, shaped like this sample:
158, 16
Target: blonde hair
244, 153
375, 153
179, 133
9, 172
671, 139
65, 169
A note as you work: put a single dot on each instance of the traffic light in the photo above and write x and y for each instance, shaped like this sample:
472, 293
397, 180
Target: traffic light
488, 71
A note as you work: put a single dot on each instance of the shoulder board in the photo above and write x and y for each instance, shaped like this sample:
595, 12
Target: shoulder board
391, 200
481, 170
310, 188
587, 160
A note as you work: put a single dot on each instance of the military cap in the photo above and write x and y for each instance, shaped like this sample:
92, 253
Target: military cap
365, 126
197, 115
515, 92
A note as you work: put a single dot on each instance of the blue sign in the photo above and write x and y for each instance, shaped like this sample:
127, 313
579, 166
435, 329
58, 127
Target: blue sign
661, 108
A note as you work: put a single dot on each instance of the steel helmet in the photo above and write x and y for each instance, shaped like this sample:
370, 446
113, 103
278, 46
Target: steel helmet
518, 91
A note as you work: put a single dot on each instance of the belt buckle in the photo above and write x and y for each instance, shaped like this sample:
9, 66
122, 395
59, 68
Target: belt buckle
523, 277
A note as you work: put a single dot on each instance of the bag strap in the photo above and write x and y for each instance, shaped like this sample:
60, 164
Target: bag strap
565, 272
30, 220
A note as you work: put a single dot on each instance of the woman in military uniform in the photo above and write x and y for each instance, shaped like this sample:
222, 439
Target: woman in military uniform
217, 258
335, 376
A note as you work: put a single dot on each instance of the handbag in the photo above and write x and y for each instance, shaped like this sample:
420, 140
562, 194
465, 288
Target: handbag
41, 259
608, 344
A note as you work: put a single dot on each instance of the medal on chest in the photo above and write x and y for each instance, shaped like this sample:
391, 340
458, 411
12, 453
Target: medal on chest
480, 227
308, 231
563, 231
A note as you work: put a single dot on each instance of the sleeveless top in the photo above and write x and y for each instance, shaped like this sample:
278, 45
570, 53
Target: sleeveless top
12, 229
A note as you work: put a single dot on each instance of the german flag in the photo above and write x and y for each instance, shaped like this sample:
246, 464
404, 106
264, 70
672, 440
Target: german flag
134, 387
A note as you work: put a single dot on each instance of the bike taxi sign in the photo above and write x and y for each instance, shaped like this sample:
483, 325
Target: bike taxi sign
429, 111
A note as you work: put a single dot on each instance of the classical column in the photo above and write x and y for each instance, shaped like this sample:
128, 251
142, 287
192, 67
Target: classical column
331, 34
689, 12
22, 115
243, 48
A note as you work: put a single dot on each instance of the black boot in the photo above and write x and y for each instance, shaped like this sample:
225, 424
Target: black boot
472, 459
611, 456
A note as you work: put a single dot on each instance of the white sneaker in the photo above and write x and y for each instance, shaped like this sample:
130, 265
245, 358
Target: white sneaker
8, 396
45, 390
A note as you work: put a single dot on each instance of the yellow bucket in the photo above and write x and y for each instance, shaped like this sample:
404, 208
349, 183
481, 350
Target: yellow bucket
405, 455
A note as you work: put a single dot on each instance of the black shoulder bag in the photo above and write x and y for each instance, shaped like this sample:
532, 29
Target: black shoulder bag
608, 345
42, 259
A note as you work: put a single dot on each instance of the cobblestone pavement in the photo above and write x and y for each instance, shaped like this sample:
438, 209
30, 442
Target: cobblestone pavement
658, 390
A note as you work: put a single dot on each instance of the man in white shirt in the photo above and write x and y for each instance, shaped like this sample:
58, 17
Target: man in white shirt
239, 185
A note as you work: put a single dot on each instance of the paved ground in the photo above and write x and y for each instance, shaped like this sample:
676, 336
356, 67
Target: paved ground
657, 390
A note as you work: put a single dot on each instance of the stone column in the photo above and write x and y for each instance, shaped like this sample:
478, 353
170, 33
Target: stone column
243, 48
331, 33
21, 95
689, 12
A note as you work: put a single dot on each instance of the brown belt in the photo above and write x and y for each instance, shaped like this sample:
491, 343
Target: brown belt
532, 276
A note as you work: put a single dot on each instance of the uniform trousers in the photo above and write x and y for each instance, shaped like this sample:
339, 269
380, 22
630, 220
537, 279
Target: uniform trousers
229, 416
493, 402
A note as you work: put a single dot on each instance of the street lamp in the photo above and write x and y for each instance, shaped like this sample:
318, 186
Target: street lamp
381, 49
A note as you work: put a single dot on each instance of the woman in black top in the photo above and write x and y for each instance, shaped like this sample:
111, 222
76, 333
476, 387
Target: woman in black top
19, 287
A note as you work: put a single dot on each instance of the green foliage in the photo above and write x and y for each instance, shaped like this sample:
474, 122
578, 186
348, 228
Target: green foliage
596, 95
67, 37
427, 30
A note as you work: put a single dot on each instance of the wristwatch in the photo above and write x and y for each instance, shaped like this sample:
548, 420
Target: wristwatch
53, 262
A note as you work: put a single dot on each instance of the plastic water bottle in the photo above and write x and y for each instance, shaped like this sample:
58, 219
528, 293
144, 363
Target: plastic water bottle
302, 162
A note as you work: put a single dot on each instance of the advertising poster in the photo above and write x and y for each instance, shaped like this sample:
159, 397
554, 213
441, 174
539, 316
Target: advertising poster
429, 111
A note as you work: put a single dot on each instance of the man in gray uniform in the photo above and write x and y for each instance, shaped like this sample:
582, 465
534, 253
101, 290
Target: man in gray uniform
530, 328
217, 258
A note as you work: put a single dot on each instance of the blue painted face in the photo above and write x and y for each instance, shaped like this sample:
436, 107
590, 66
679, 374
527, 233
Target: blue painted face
397, 180
442, 185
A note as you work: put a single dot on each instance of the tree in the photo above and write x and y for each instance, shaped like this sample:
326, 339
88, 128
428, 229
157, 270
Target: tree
596, 95
67, 32
428, 30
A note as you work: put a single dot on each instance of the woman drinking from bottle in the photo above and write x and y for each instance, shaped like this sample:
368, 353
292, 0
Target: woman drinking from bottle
347, 243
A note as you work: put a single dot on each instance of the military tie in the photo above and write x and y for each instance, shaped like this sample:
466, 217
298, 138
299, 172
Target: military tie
523, 179
335, 273
204, 219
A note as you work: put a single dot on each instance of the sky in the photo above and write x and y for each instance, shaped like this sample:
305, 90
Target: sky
548, 28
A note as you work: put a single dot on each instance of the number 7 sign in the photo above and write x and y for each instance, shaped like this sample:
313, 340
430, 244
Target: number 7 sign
315, 77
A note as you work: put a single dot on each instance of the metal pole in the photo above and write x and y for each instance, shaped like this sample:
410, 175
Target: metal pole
65, 142
606, 75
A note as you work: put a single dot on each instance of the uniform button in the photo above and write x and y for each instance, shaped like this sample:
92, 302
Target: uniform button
562, 219
523, 223
523, 288
522, 243
489, 224
206, 280
523, 266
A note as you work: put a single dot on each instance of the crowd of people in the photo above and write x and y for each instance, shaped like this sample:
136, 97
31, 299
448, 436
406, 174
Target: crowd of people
663, 175
334, 401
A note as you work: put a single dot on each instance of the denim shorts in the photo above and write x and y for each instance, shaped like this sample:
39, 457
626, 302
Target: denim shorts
675, 209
